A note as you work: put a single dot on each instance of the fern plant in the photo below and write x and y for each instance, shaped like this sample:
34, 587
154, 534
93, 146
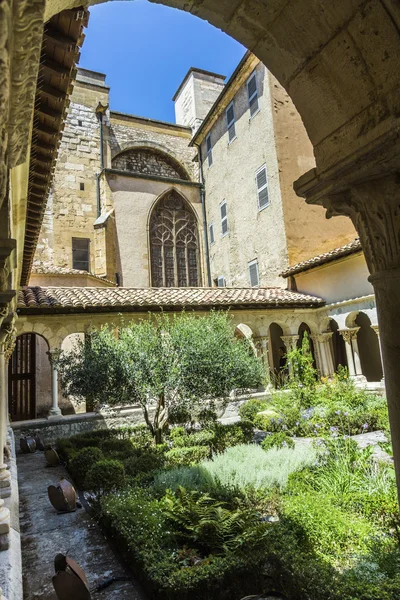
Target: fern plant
206, 524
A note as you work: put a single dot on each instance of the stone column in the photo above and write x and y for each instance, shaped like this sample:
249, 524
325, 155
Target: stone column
290, 342
367, 190
5, 479
356, 351
323, 349
376, 329
54, 411
347, 336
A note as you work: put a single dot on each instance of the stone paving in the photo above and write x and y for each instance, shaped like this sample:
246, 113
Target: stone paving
44, 533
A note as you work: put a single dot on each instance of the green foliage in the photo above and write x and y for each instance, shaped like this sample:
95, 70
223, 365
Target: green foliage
226, 436
105, 476
277, 440
182, 456
249, 409
177, 364
82, 462
200, 438
240, 470
205, 524
302, 375
145, 460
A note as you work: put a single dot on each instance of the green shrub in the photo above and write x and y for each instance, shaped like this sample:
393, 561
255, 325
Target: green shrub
116, 448
277, 440
183, 456
82, 462
105, 476
65, 449
240, 470
233, 434
200, 438
144, 462
249, 409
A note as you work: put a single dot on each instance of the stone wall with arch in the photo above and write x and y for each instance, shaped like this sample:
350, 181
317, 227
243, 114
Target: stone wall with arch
149, 162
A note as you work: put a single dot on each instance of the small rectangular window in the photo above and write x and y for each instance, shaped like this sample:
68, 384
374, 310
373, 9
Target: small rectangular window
81, 186
221, 281
252, 93
212, 237
80, 254
262, 187
230, 122
253, 273
209, 150
224, 218
79, 123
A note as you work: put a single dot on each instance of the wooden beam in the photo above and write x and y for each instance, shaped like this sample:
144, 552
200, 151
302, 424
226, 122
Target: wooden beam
46, 111
43, 129
52, 66
48, 91
42, 159
43, 147
53, 36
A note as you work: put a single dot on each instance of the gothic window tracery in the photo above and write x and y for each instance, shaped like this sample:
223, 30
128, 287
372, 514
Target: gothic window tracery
174, 243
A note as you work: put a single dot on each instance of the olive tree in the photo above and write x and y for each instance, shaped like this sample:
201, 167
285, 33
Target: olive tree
169, 364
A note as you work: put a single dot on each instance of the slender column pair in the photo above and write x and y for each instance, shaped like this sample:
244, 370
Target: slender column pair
54, 412
323, 352
352, 352
290, 342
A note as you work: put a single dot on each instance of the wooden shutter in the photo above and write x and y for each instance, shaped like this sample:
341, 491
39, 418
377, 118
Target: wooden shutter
221, 281
253, 274
80, 254
230, 121
252, 95
262, 187
212, 238
209, 150
224, 218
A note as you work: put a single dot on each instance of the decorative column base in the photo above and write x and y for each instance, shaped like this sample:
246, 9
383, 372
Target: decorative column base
4, 519
54, 413
359, 380
5, 482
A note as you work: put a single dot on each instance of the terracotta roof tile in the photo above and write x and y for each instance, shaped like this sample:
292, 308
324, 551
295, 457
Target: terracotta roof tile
79, 299
351, 248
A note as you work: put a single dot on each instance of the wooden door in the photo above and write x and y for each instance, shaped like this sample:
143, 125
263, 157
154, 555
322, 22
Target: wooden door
22, 379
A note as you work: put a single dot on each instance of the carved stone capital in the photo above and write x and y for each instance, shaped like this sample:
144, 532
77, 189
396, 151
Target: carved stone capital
374, 208
290, 341
349, 334
322, 337
376, 329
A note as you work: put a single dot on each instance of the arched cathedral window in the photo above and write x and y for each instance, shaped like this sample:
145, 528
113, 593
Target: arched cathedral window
174, 243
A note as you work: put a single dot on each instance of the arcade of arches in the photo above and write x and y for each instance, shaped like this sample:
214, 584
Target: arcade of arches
339, 63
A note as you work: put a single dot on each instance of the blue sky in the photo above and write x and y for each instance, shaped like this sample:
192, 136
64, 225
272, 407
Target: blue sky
146, 49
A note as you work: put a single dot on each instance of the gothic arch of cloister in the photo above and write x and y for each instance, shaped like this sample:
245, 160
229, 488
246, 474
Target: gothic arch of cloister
338, 62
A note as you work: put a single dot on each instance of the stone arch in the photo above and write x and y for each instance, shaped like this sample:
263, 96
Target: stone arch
351, 80
338, 346
350, 321
149, 159
174, 242
305, 328
277, 351
368, 345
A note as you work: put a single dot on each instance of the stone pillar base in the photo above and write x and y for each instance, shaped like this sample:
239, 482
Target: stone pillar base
54, 413
4, 519
359, 380
5, 482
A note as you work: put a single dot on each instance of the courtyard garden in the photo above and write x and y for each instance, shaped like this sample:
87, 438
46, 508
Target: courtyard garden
284, 501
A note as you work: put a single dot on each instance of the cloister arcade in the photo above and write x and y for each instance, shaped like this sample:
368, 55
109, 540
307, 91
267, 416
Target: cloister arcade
271, 332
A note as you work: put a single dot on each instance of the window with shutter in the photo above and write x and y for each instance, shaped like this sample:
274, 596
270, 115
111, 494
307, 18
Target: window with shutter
230, 121
221, 281
209, 150
80, 254
252, 93
262, 187
212, 237
224, 218
253, 273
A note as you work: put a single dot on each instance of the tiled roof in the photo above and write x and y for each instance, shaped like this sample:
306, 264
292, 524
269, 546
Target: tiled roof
54, 270
351, 248
83, 299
